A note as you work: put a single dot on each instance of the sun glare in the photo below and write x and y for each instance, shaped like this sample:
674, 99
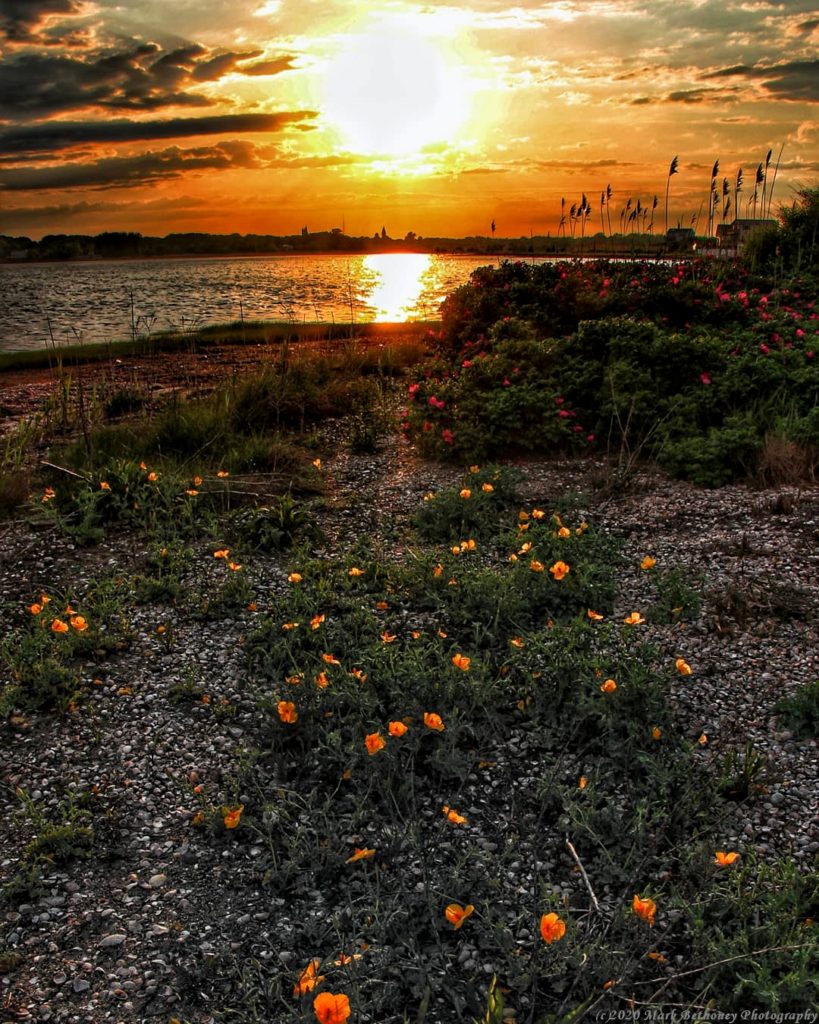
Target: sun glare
392, 90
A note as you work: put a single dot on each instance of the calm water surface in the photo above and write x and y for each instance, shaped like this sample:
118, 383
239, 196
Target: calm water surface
108, 300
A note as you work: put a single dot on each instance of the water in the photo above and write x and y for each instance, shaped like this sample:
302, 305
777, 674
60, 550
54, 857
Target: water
113, 299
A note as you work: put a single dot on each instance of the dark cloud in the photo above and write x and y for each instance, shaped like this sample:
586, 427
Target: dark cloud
38, 85
701, 95
21, 20
52, 136
130, 171
796, 80
268, 67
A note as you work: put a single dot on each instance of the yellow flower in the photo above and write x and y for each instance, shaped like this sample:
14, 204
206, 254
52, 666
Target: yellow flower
536, 566
525, 548
317, 463
396, 728
559, 570
355, 571
564, 532
231, 818
725, 860
552, 928
287, 711
330, 659
609, 686
78, 622
634, 619
294, 577
58, 626
374, 742
513, 558
360, 854
456, 914
683, 667
487, 488
453, 817
429, 496
594, 616
648, 562
644, 908
104, 485
461, 661
222, 473
433, 721
466, 493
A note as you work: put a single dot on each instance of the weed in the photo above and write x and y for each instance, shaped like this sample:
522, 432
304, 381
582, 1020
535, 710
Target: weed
799, 712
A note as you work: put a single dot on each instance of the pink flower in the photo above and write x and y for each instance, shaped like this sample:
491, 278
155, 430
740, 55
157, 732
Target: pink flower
763, 301
436, 403
506, 382
559, 400
590, 438
564, 414
466, 363
705, 378
800, 333
413, 388
427, 426
447, 435
763, 348
724, 297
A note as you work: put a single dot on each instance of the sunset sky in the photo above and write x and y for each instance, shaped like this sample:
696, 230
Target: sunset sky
435, 117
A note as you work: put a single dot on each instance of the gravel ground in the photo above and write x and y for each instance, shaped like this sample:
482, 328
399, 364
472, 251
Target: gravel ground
129, 935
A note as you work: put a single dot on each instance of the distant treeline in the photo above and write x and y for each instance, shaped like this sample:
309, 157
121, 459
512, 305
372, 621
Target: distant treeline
123, 244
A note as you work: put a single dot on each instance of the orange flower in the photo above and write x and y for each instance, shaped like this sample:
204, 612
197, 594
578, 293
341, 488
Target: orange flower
344, 959
58, 626
453, 816
466, 493
222, 473
359, 674
397, 728
536, 566
191, 492
142, 466
322, 682
388, 638
433, 721
538, 513
468, 545
331, 1009
104, 485
308, 979
583, 782
287, 711
360, 854
703, 740
438, 571
231, 818
725, 860
429, 496
198, 818
330, 659
648, 562
197, 481
552, 928
317, 463
516, 641
564, 532
634, 619
48, 495
221, 553
235, 566
295, 680
609, 686
374, 742
683, 667
416, 634
594, 616
289, 625
35, 609
382, 606
644, 908
456, 914
656, 733
559, 570
656, 957
45, 599
69, 610
355, 571
78, 622
316, 621
294, 577
487, 488
524, 548
152, 477
461, 661
523, 516
474, 469
442, 634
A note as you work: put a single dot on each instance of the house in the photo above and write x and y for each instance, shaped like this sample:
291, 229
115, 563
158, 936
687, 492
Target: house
731, 237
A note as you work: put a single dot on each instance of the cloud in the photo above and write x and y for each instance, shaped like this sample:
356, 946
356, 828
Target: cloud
796, 80
53, 136
142, 78
132, 171
21, 21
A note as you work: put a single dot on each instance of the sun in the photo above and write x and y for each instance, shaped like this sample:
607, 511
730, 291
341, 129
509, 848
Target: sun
391, 90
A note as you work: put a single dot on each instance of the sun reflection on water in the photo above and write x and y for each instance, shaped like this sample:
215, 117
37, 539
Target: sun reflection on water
396, 281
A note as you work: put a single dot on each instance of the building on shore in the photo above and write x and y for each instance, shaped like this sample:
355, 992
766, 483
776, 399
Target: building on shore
731, 237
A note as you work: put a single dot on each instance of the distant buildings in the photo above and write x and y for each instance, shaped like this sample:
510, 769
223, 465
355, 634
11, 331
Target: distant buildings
731, 237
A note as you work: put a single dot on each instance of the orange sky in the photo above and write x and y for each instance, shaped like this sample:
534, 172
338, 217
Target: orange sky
434, 117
